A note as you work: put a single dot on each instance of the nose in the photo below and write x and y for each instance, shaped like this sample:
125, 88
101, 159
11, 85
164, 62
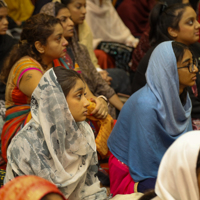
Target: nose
65, 42
5, 21
84, 10
71, 23
195, 69
86, 102
197, 25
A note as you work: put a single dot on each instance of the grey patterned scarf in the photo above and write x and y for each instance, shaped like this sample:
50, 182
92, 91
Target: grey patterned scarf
53, 146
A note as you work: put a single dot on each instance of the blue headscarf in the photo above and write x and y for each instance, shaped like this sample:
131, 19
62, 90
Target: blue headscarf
152, 118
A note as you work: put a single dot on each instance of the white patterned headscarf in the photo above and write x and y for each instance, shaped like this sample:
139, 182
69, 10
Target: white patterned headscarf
177, 178
53, 146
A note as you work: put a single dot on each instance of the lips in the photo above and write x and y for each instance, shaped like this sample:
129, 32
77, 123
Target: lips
5, 28
82, 18
85, 112
194, 78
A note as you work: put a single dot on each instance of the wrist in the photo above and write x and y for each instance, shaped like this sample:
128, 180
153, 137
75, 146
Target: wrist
104, 98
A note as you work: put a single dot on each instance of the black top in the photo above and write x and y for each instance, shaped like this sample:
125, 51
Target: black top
139, 79
6, 44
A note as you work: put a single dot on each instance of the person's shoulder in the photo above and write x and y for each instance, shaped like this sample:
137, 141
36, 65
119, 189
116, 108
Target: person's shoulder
143, 99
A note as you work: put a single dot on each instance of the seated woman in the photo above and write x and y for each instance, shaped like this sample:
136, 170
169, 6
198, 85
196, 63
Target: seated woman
179, 170
57, 144
152, 119
41, 42
30, 187
173, 23
77, 58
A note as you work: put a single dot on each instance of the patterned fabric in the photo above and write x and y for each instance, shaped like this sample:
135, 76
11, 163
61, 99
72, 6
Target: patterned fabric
53, 146
2, 175
2, 108
17, 103
120, 52
28, 188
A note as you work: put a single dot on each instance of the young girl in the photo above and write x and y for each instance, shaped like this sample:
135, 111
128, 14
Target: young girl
152, 119
41, 42
57, 144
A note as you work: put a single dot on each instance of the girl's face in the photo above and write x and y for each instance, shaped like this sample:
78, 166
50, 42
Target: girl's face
186, 78
3, 20
77, 101
188, 32
68, 25
55, 46
77, 9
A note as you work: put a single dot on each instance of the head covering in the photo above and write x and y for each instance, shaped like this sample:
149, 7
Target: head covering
3, 3
106, 24
53, 146
165, 87
28, 188
152, 118
49, 9
177, 178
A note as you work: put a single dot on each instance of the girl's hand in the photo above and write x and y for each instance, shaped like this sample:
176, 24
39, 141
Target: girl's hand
101, 109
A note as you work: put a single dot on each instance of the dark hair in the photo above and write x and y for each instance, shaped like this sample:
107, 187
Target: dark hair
66, 2
2, 4
46, 197
58, 7
161, 20
179, 50
38, 28
66, 78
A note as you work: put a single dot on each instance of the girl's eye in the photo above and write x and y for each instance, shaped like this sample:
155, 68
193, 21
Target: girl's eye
85, 93
190, 22
78, 7
1, 18
79, 95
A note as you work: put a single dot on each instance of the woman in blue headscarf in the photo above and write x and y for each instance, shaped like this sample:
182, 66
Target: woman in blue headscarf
152, 119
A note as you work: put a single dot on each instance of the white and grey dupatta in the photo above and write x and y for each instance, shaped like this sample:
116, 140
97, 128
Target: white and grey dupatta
53, 146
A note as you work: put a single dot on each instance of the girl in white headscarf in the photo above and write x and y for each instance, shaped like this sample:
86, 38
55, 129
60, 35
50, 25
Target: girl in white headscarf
58, 144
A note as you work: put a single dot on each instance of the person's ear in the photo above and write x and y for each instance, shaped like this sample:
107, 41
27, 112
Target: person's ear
39, 47
172, 32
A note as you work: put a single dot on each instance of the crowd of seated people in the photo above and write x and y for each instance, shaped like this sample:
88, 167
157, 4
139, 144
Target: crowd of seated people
65, 133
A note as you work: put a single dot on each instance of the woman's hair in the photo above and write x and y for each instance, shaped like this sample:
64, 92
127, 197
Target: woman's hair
66, 2
48, 196
179, 50
38, 28
67, 78
161, 18
2, 4
58, 7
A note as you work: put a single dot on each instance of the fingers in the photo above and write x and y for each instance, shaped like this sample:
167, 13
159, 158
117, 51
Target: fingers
101, 109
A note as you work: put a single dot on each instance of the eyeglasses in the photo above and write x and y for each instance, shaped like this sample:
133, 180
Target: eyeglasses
191, 66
